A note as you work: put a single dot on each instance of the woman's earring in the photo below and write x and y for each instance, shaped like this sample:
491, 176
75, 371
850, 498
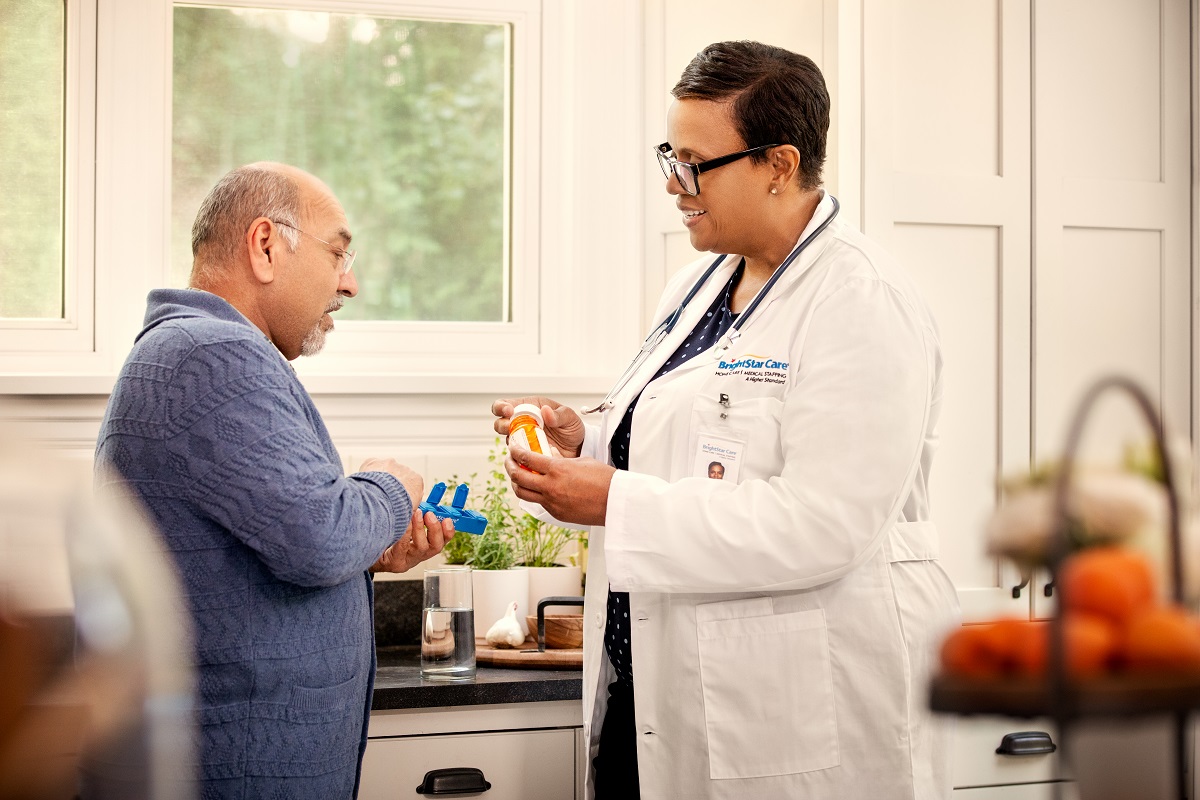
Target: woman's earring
774, 190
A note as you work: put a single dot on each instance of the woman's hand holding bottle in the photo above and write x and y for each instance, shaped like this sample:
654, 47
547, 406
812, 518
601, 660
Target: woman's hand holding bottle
561, 423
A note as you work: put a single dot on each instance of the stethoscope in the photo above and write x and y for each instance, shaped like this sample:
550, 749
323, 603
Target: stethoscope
667, 325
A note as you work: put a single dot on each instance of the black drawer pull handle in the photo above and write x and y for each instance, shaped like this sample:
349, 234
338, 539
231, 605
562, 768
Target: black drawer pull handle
1026, 743
453, 781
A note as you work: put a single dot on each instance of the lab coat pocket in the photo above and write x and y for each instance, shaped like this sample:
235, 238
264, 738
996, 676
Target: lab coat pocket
768, 690
743, 435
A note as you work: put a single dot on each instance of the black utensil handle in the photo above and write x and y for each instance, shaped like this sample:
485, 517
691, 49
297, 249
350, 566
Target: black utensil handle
453, 781
552, 601
1026, 743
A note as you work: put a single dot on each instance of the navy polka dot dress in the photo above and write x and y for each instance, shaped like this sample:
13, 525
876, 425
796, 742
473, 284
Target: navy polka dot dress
712, 326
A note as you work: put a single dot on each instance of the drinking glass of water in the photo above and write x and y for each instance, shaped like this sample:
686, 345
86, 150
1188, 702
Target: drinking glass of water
448, 626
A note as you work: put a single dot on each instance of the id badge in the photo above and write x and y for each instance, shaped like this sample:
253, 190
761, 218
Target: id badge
718, 456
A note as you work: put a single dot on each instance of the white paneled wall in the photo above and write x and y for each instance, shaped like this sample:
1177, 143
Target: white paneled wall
1111, 205
959, 268
1029, 163
1112, 224
946, 188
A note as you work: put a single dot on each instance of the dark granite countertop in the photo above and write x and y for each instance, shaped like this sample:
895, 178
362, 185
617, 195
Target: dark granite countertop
398, 684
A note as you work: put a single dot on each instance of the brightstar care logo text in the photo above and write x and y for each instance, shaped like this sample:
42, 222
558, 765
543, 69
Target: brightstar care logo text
754, 369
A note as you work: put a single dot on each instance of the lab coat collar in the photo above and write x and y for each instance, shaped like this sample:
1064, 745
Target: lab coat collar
704, 298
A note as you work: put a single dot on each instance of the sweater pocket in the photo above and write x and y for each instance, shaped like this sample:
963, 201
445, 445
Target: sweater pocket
317, 732
767, 688
309, 705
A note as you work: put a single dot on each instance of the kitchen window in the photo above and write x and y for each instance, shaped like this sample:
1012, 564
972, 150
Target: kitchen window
407, 120
460, 135
45, 274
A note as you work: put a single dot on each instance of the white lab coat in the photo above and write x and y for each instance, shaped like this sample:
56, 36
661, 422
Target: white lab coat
784, 626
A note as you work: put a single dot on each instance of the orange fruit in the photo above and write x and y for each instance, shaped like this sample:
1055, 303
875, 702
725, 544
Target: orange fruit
1162, 639
984, 651
1112, 582
1090, 643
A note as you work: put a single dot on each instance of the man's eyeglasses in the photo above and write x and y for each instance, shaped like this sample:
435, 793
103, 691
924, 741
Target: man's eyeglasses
687, 174
347, 256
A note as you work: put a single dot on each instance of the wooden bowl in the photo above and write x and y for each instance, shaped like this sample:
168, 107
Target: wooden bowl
563, 631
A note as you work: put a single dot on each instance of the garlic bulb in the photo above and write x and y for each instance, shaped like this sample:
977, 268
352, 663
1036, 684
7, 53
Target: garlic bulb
506, 632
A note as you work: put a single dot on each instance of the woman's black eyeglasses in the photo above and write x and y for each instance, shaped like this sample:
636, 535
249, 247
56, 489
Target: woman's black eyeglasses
687, 174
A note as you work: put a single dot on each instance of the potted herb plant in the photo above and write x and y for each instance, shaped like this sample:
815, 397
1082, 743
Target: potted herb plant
539, 547
496, 581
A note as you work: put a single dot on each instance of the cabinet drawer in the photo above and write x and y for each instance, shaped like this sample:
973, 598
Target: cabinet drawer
520, 765
1022, 791
976, 762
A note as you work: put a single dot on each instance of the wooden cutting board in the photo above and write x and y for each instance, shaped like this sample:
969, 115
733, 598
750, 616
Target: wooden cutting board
486, 654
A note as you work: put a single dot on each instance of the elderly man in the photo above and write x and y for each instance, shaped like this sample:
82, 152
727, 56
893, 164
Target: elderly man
210, 427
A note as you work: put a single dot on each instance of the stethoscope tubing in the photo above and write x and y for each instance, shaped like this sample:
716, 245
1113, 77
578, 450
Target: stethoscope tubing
664, 328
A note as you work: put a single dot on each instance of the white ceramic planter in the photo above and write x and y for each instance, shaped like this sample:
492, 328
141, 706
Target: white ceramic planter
492, 590
554, 582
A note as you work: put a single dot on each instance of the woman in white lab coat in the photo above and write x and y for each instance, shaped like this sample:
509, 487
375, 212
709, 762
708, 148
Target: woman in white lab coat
764, 601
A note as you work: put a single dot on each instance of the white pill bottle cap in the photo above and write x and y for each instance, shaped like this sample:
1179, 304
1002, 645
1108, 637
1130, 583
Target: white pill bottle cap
530, 409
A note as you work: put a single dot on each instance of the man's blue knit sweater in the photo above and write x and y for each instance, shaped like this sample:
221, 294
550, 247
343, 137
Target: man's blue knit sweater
210, 427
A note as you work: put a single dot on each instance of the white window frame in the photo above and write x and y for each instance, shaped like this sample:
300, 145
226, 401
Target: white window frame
578, 165
369, 345
30, 341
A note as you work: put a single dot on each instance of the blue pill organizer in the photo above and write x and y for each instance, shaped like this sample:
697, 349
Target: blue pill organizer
465, 520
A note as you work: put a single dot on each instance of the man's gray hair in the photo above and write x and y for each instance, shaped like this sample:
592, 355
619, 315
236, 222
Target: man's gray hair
240, 197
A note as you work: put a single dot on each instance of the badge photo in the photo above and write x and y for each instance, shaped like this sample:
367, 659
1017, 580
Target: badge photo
718, 457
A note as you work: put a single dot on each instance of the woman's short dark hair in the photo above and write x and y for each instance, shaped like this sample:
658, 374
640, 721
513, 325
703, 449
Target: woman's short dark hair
778, 97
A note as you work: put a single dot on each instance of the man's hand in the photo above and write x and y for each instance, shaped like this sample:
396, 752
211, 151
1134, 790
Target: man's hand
413, 483
425, 538
573, 490
562, 425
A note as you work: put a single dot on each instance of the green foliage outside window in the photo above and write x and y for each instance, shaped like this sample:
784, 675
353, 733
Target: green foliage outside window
32, 97
405, 120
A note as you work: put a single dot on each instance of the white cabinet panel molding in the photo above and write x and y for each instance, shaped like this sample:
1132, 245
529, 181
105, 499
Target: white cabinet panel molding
1111, 212
946, 187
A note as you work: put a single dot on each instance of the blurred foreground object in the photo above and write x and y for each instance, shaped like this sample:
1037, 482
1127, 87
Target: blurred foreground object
1123, 642
96, 695
1122, 504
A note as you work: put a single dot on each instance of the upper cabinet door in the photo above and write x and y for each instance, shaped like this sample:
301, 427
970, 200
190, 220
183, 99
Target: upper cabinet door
946, 188
1112, 222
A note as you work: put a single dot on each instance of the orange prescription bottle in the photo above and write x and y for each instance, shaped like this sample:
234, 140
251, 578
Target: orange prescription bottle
525, 430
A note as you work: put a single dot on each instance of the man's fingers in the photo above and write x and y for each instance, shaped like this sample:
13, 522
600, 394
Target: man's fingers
446, 531
436, 533
420, 537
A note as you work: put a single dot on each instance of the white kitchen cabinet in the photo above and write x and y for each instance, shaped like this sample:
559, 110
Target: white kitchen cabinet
1047, 222
1027, 791
519, 765
526, 751
977, 764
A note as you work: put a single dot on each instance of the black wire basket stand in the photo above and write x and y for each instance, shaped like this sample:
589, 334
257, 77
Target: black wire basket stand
1058, 696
